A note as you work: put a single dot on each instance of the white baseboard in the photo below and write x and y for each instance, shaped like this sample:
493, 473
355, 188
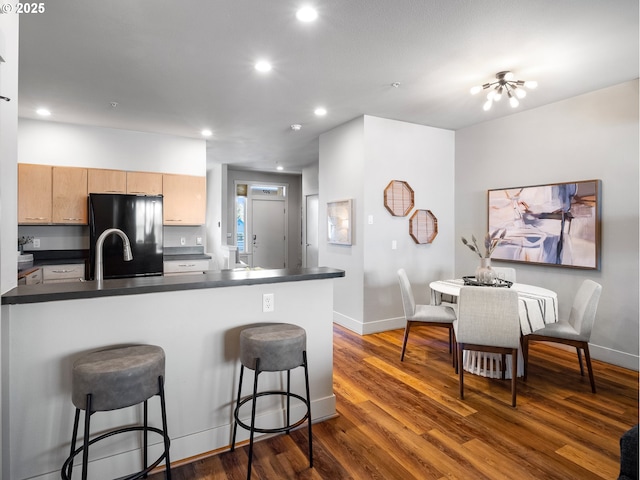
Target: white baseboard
365, 328
615, 357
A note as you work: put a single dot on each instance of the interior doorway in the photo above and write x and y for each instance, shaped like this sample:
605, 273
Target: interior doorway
261, 226
311, 231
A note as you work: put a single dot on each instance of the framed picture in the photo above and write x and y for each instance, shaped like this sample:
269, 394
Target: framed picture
556, 224
339, 222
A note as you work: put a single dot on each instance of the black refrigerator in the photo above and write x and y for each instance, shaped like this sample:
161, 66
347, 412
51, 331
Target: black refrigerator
140, 218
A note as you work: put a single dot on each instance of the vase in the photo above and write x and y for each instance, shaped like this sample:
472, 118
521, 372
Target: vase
484, 272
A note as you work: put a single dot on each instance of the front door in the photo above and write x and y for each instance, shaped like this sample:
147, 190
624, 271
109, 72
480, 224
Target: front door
268, 234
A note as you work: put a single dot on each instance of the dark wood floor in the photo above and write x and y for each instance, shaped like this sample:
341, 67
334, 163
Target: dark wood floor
404, 420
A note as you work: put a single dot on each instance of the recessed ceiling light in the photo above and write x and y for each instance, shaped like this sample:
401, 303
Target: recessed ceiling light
296, 127
206, 132
279, 168
320, 111
307, 14
263, 66
43, 112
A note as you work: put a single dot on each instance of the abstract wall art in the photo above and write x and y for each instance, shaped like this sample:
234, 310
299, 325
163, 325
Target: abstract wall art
556, 224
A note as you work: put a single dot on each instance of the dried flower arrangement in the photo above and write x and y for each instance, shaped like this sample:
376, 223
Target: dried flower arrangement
491, 241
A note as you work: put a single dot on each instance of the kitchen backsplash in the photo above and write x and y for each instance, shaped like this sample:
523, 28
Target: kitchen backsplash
76, 237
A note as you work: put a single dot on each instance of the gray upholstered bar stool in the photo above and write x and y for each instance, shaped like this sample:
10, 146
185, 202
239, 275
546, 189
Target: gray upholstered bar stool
112, 379
272, 348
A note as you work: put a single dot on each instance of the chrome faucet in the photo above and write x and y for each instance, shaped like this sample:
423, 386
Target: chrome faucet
126, 252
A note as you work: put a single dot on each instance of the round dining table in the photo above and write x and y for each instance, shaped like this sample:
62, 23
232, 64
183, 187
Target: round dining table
537, 307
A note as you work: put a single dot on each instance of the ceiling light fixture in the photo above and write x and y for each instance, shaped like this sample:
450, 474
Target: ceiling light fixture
43, 112
263, 66
504, 85
206, 132
307, 14
296, 127
320, 111
279, 168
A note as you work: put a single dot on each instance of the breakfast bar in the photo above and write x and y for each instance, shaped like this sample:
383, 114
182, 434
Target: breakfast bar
196, 319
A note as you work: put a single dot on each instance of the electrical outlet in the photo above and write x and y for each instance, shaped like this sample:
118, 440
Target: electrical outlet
183, 241
268, 302
36, 243
198, 240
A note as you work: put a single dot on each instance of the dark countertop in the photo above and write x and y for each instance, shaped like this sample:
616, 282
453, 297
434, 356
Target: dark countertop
134, 286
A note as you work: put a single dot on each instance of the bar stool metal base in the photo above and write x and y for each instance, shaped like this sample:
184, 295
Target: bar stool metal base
67, 467
286, 394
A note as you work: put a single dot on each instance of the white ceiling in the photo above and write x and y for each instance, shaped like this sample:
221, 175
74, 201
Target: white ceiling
176, 67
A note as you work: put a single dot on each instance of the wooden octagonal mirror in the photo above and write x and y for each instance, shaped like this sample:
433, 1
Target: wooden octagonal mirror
398, 198
423, 226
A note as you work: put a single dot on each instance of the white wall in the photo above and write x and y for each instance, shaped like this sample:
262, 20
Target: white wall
8, 151
8, 173
53, 143
357, 161
592, 136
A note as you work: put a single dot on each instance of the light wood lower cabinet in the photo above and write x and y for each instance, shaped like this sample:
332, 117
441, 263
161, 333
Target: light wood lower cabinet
73, 272
70, 195
185, 198
34, 194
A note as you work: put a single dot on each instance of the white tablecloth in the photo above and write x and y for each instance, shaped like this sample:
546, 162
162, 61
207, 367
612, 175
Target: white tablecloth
537, 307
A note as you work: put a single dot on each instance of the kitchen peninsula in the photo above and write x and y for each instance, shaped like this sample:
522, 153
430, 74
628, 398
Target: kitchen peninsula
196, 319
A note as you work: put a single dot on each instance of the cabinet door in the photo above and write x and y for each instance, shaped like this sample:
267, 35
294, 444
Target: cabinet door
70, 195
34, 194
144, 183
107, 181
185, 199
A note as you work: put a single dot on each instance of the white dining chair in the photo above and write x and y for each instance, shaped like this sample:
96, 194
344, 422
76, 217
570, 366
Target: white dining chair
488, 321
574, 331
505, 273
423, 315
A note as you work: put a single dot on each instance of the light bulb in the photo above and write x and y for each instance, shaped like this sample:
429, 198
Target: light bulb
320, 111
508, 76
307, 14
520, 93
491, 95
476, 89
263, 66
531, 84
498, 95
513, 101
487, 105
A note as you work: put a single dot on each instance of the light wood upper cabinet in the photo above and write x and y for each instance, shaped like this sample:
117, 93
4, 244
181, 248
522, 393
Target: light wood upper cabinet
185, 199
144, 183
70, 195
34, 194
107, 181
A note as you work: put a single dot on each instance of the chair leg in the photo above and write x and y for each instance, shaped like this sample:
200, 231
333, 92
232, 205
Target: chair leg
450, 339
306, 380
85, 452
580, 361
235, 413
167, 441
145, 423
504, 366
514, 375
587, 357
253, 416
404, 342
525, 355
461, 370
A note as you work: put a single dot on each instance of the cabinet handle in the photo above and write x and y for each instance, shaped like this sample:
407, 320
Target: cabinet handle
187, 265
72, 219
173, 220
62, 271
35, 218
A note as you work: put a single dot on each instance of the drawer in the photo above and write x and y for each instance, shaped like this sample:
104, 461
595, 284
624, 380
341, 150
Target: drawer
185, 266
34, 278
73, 272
